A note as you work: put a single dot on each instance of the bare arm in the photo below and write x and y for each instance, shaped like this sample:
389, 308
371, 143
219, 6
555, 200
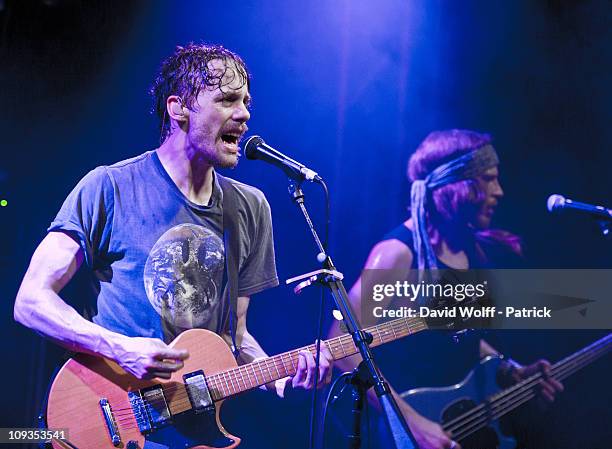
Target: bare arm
252, 350
386, 255
249, 347
39, 307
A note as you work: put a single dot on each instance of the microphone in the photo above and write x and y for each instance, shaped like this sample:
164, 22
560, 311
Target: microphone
256, 148
559, 202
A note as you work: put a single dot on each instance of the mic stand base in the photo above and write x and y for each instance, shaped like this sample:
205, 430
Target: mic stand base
360, 381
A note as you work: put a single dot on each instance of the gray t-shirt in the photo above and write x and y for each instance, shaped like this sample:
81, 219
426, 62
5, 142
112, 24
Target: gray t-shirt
157, 258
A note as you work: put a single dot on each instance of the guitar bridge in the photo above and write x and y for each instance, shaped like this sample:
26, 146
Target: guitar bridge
109, 419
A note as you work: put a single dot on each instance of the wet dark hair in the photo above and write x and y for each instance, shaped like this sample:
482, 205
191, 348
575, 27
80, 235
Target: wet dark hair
453, 203
187, 71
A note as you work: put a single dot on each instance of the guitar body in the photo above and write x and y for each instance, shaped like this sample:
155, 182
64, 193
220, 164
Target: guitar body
445, 403
103, 407
80, 385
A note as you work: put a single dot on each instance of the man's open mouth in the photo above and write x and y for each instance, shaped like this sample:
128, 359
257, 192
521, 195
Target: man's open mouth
231, 139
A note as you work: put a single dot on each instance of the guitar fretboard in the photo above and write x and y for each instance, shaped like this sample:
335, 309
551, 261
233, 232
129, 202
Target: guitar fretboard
252, 375
507, 400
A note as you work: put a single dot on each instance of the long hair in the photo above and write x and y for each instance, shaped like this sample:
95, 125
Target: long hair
454, 204
187, 71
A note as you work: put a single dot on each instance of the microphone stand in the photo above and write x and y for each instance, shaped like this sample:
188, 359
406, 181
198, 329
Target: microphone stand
398, 428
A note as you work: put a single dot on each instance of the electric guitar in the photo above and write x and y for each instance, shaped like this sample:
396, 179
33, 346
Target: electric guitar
104, 407
469, 410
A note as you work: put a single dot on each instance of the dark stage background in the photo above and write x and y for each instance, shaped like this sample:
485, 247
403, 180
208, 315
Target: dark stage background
349, 88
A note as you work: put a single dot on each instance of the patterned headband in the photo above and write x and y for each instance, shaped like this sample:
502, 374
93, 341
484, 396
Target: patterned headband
466, 166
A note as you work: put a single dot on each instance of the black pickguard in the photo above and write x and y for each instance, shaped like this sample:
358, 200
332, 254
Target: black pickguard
188, 430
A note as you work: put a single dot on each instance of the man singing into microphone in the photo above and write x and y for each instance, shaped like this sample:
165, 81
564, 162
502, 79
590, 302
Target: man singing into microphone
454, 194
150, 231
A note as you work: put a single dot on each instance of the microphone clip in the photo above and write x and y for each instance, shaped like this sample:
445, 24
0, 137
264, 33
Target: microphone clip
322, 276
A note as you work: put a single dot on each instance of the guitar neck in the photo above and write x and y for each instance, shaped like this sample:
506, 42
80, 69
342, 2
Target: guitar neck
560, 370
252, 375
507, 400
582, 358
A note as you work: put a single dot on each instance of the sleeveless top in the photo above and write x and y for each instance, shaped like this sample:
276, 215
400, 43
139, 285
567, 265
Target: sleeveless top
432, 357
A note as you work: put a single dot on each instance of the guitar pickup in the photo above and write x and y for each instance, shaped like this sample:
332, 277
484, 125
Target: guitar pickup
197, 390
150, 408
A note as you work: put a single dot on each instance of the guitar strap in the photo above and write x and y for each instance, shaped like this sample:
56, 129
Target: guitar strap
231, 240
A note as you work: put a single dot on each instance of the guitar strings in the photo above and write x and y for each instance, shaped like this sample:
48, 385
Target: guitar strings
523, 391
595, 348
396, 327
333, 345
215, 381
516, 401
561, 371
229, 380
516, 396
495, 412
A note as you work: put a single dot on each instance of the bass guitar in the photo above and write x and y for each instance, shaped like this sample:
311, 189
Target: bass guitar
469, 410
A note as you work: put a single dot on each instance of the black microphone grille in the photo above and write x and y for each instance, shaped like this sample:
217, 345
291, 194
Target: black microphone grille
250, 147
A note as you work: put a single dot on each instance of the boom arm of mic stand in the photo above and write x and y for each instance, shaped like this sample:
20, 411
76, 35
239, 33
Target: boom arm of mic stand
398, 428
